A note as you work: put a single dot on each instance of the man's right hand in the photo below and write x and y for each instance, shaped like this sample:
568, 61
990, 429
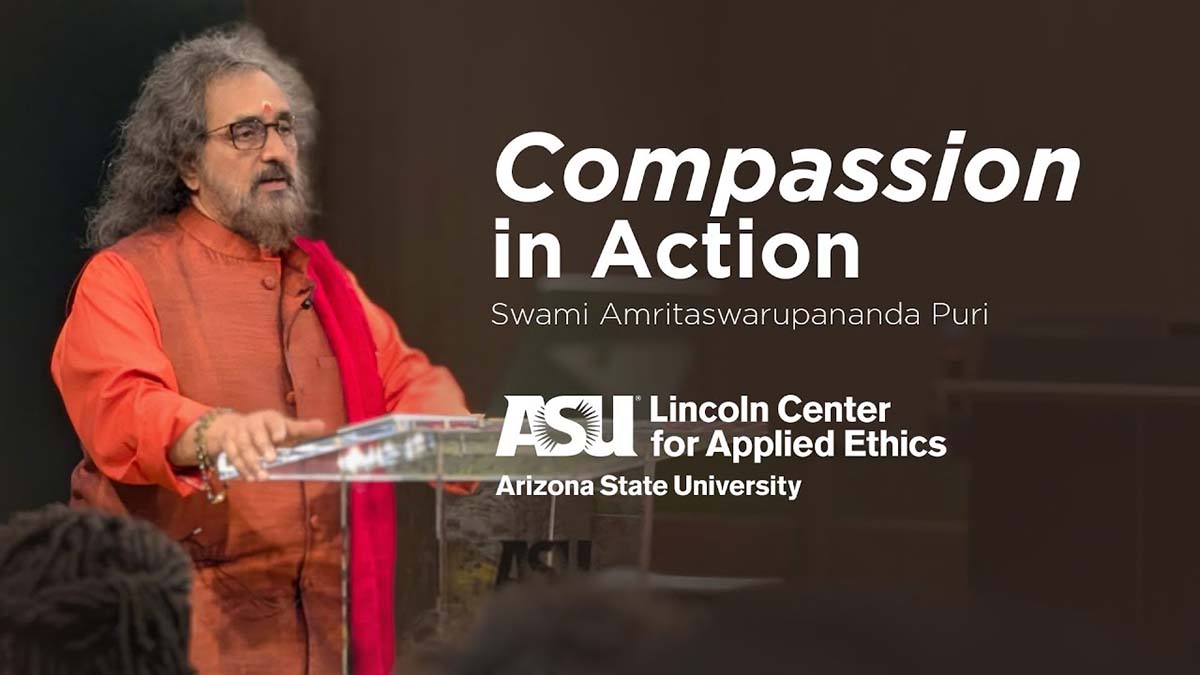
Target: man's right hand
248, 440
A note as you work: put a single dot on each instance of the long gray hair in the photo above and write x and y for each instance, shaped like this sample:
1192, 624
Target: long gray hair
165, 127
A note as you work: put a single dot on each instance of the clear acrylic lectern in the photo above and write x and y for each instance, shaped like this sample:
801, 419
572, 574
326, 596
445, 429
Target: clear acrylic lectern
441, 449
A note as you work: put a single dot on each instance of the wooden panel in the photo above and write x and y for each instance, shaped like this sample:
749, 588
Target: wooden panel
1170, 560
925, 560
1053, 504
727, 547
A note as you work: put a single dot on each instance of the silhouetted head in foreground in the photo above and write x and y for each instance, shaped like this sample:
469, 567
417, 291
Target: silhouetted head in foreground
84, 592
539, 628
582, 629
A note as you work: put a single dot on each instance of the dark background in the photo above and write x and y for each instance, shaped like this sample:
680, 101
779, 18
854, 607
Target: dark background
1079, 500
71, 73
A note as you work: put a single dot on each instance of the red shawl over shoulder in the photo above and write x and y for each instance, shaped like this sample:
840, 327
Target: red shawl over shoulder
372, 505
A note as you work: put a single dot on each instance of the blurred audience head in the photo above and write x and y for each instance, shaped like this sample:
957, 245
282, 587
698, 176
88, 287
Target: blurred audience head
580, 629
543, 627
85, 592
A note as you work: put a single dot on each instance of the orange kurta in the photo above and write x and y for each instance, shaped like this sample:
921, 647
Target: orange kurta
186, 316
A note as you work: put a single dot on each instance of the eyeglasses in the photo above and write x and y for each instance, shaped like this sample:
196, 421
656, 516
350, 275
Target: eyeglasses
251, 134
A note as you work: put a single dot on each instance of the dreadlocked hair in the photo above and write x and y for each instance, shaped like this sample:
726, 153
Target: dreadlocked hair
85, 592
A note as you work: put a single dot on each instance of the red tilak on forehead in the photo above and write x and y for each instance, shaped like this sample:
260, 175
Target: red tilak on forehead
266, 107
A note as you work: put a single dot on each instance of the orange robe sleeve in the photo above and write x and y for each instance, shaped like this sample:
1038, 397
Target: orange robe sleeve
411, 383
117, 383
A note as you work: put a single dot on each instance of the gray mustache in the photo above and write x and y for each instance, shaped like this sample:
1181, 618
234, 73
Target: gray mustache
274, 173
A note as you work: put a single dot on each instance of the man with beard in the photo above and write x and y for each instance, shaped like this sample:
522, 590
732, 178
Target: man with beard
206, 325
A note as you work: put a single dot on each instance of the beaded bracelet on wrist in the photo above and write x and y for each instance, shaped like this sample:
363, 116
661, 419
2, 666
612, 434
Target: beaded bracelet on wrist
208, 469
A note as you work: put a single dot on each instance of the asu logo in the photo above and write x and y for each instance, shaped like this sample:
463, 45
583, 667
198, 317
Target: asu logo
565, 426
